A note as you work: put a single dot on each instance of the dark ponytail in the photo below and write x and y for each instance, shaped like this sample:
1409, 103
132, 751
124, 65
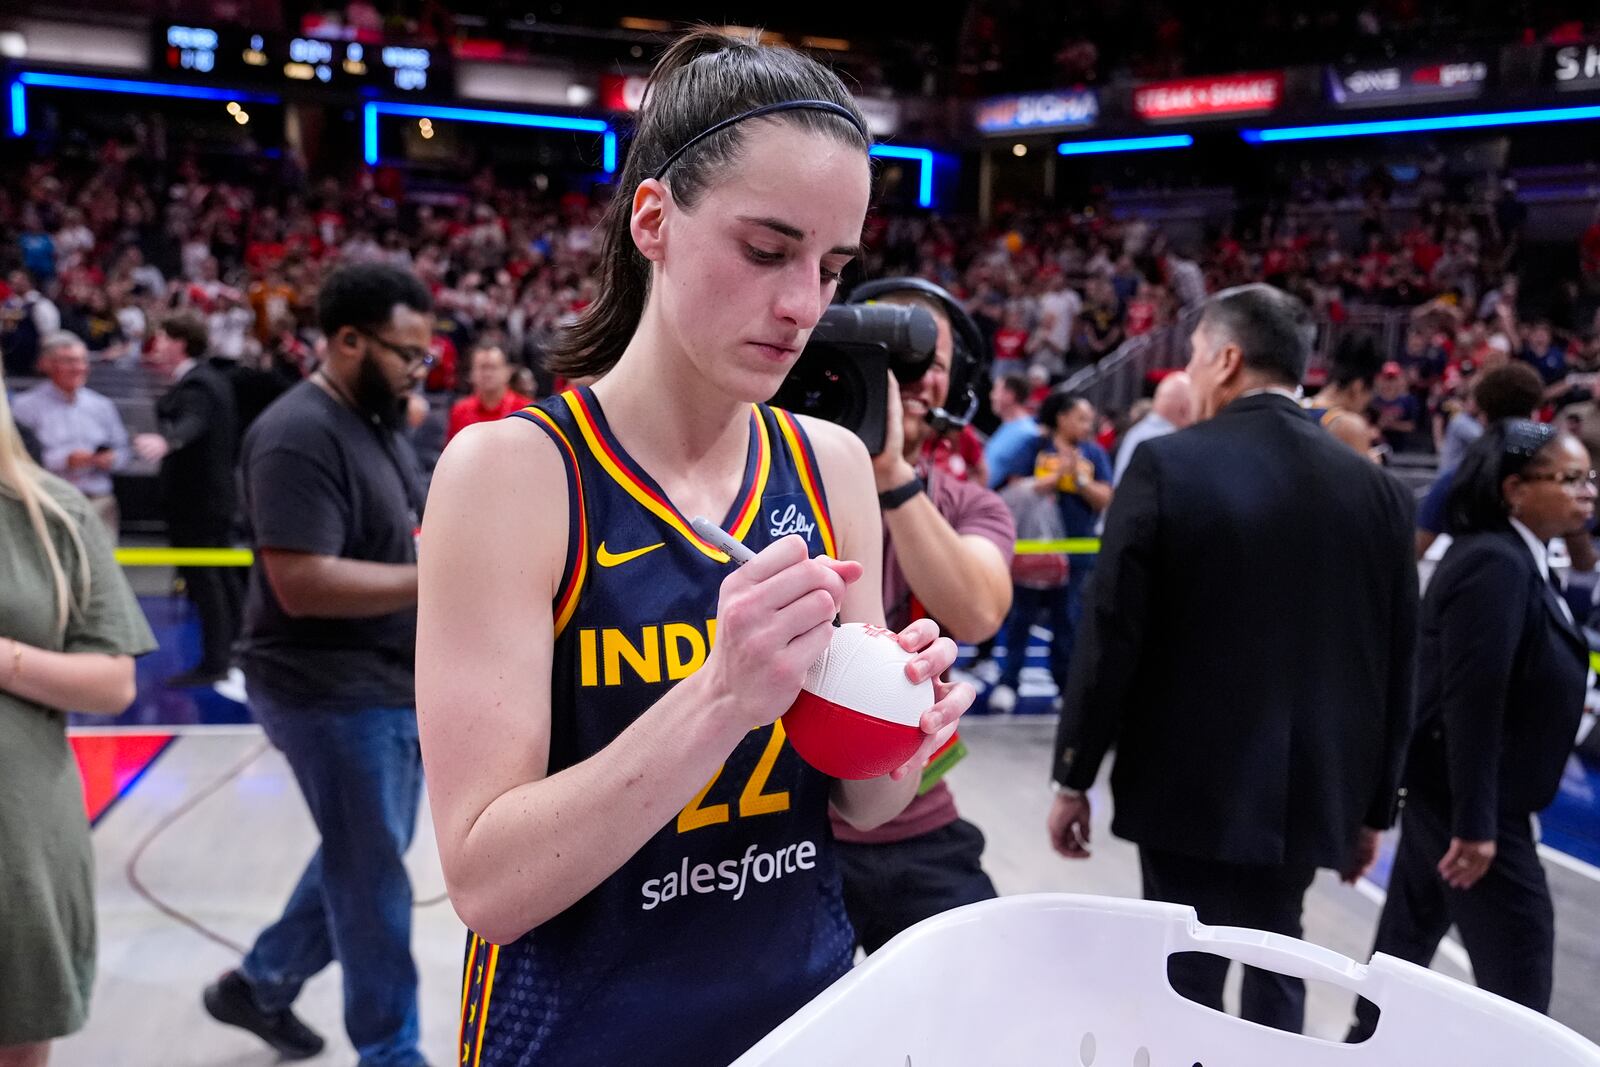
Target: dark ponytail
703, 78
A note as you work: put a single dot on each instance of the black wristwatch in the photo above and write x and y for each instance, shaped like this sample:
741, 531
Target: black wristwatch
895, 497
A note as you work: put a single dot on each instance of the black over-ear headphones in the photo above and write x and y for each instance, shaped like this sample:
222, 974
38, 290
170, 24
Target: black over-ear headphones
967, 361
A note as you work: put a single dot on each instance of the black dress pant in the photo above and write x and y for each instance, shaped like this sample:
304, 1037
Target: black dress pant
890, 888
1232, 894
1506, 920
216, 592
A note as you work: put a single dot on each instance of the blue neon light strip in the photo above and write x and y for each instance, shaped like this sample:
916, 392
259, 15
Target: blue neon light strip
473, 114
1124, 144
501, 118
924, 156
121, 85
369, 135
1442, 122
19, 110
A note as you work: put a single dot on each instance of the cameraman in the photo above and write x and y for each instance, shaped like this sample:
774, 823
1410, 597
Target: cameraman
947, 547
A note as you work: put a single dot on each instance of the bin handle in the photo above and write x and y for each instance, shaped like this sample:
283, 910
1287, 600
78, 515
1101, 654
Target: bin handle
1275, 952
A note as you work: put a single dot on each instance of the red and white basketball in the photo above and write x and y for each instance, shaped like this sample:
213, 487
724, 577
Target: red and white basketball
858, 716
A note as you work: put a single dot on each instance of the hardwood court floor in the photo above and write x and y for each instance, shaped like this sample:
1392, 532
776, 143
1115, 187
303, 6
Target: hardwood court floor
230, 862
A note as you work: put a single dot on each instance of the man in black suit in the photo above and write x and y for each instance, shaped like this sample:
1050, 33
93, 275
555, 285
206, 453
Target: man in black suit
1247, 647
197, 446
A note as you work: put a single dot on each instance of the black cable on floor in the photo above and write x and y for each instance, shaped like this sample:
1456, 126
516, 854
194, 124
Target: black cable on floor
165, 824
131, 869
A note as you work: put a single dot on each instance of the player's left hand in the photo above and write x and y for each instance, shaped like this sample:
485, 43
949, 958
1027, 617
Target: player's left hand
935, 655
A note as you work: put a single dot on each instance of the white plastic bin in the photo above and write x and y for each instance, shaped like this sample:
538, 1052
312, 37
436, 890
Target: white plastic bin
1064, 981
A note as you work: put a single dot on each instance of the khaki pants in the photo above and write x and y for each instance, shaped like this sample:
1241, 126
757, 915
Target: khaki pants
106, 508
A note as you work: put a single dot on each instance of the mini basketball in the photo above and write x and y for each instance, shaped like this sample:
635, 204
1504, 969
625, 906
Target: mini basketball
858, 716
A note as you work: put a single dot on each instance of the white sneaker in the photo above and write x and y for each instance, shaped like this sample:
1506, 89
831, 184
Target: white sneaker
232, 686
1002, 699
958, 675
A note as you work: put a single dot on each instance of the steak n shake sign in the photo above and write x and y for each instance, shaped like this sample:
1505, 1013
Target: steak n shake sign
1228, 94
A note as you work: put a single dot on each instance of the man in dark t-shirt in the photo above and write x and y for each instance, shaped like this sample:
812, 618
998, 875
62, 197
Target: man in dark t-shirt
333, 498
321, 481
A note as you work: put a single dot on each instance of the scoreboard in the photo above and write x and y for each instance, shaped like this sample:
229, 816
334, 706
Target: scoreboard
225, 55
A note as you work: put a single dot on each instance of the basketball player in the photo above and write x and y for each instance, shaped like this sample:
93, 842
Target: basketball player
645, 864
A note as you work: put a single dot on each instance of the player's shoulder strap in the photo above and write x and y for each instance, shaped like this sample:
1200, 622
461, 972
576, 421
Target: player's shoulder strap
806, 470
553, 416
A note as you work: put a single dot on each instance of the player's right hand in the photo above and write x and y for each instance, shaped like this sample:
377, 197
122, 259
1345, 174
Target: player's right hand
774, 619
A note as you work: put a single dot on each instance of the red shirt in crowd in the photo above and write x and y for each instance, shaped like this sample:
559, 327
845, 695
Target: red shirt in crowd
1107, 437
958, 455
442, 378
469, 410
1008, 343
1589, 249
1141, 317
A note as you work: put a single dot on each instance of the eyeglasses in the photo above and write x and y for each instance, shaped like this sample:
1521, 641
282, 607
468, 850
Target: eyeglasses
1571, 481
414, 357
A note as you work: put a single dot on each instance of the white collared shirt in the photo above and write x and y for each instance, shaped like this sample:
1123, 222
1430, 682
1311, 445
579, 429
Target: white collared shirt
1281, 390
1541, 559
84, 422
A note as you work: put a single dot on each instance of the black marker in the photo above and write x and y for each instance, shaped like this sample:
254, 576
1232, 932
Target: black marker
736, 549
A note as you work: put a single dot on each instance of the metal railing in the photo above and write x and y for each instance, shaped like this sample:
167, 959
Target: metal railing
1118, 380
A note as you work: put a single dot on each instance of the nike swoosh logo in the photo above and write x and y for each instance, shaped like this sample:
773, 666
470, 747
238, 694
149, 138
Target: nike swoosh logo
609, 559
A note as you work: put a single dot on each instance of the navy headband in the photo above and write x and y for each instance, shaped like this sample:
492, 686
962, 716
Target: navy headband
767, 109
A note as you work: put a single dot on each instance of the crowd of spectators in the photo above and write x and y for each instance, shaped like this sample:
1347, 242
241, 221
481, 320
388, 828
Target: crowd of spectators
1441, 257
109, 247
1011, 46
107, 250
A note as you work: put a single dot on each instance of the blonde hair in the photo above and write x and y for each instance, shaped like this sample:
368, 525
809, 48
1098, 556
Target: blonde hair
21, 479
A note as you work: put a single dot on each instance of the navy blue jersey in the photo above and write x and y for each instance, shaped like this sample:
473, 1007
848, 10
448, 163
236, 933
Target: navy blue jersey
730, 918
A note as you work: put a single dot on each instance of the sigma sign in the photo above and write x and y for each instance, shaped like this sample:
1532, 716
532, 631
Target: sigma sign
1071, 110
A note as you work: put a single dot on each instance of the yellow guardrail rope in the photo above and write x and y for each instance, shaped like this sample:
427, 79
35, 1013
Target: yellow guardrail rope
243, 557
185, 557
1072, 546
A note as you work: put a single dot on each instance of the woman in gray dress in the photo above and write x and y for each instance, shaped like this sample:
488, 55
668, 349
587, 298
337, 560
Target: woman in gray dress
69, 629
